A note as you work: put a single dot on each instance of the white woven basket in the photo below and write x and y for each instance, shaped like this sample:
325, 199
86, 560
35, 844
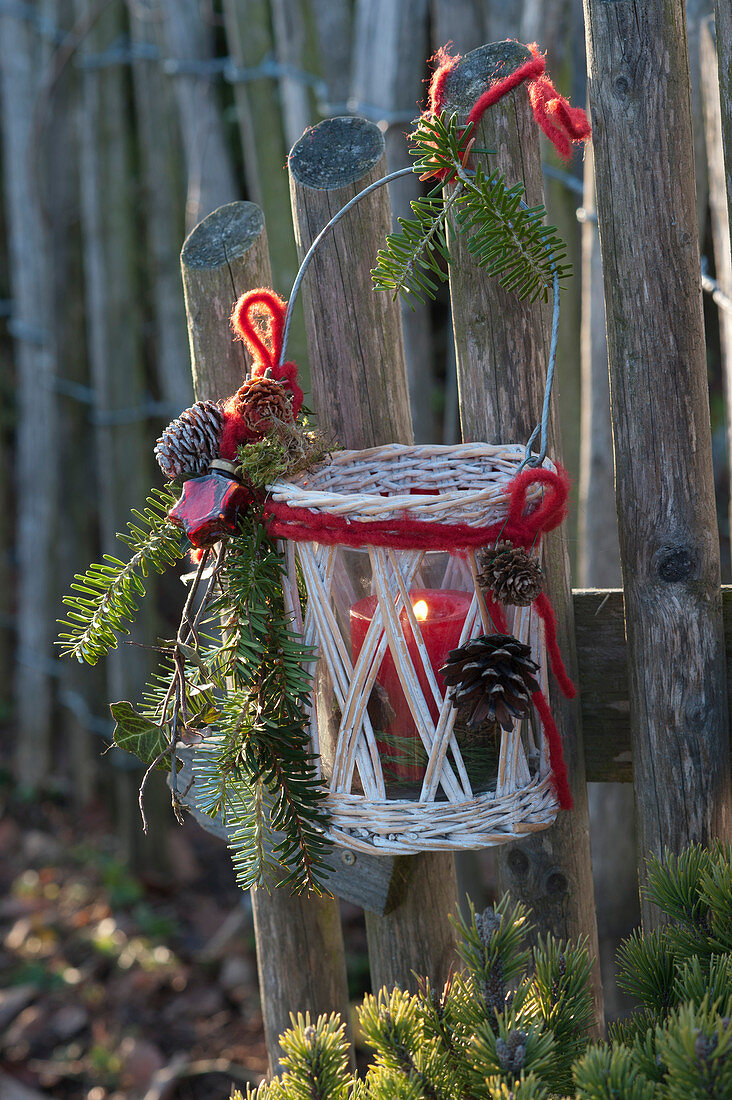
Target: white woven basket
438, 486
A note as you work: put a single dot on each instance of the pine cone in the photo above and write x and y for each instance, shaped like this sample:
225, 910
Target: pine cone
189, 443
511, 574
260, 402
493, 678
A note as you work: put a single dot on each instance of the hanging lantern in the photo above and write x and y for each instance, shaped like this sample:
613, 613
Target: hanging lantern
386, 541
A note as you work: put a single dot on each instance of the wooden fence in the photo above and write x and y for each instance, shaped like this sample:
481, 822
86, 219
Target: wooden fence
653, 709
660, 700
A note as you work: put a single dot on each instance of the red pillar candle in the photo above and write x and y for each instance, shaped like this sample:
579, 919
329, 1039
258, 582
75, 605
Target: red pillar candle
441, 615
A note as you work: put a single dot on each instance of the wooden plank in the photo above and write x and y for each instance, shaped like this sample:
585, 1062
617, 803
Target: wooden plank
723, 28
24, 71
359, 383
123, 460
161, 176
639, 84
300, 954
288, 24
603, 684
502, 349
603, 680
356, 350
696, 12
599, 550
389, 49
76, 539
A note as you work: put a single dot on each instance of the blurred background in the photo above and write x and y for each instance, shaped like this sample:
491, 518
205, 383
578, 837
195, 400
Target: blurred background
123, 123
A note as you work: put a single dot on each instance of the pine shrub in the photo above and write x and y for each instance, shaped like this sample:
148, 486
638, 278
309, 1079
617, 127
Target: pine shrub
514, 1024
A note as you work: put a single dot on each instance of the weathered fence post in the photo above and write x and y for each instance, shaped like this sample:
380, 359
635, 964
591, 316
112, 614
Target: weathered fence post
161, 179
360, 392
599, 552
502, 348
122, 460
300, 954
23, 70
639, 85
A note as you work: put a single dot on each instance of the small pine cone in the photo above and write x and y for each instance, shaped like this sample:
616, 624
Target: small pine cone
511, 1051
260, 402
189, 443
511, 574
492, 677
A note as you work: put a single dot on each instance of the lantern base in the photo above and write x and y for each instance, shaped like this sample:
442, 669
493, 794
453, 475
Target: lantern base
388, 827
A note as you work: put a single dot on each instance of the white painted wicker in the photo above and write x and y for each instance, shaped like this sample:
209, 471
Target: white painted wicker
466, 484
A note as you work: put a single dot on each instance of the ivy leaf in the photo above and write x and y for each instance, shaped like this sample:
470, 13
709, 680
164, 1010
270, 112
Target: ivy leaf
139, 735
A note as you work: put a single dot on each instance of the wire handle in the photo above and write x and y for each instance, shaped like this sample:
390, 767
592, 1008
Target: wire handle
542, 427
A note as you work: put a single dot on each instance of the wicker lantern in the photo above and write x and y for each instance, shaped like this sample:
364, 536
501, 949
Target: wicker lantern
386, 541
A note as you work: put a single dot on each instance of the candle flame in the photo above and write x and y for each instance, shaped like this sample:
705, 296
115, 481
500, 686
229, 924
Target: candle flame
421, 609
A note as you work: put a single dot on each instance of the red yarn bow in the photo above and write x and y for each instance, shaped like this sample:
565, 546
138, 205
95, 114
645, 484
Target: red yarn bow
561, 123
258, 319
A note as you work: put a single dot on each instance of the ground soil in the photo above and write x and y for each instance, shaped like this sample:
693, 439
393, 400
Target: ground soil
119, 985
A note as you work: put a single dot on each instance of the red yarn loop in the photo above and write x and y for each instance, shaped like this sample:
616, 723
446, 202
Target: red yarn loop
258, 319
561, 123
551, 510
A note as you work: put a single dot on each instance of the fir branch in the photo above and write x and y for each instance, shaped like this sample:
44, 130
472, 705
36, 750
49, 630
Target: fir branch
696, 1049
109, 592
509, 241
276, 814
411, 258
391, 1023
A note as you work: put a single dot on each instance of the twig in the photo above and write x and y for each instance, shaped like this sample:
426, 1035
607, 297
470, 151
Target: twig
177, 687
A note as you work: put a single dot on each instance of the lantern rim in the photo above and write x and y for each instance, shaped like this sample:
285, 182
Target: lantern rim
433, 484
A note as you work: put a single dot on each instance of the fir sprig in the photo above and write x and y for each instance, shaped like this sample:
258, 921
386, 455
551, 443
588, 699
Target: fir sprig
106, 597
258, 770
507, 239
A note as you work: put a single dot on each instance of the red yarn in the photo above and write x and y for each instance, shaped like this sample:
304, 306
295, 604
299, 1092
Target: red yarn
551, 510
303, 525
561, 123
545, 611
530, 70
445, 64
269, 309
556, 755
